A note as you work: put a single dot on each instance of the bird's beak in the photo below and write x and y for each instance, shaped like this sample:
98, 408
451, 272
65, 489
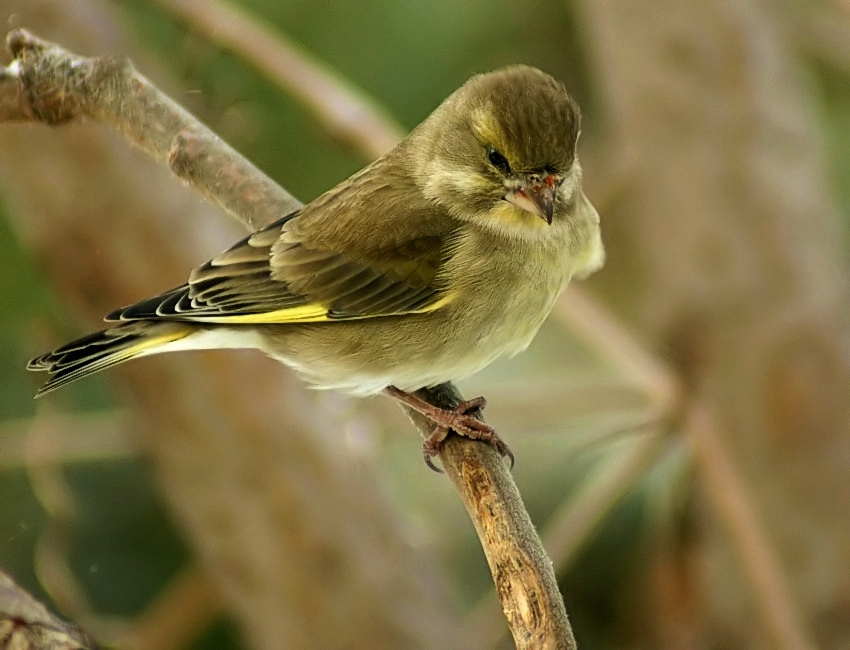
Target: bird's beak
538, 198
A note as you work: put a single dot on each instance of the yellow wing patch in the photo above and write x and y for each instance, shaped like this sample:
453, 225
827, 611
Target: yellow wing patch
307, 314
302, 314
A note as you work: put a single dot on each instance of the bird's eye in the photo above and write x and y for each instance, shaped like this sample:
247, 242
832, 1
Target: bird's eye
498, 160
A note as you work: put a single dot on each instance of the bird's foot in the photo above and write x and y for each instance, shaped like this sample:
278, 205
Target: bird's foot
460, 420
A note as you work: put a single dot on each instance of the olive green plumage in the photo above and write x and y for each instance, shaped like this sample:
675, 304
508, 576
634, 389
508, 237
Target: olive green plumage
441, 256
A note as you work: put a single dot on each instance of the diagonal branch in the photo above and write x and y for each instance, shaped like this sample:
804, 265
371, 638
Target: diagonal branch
756, 555
53, 86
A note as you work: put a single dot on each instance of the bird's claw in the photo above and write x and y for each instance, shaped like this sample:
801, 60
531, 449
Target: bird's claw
463, 424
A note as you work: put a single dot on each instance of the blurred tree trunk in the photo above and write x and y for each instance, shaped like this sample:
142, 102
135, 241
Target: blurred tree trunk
296, 534
727, 253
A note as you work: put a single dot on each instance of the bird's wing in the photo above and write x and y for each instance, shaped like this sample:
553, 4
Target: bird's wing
276, 276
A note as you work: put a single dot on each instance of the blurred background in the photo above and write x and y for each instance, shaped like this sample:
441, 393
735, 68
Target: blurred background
681, 424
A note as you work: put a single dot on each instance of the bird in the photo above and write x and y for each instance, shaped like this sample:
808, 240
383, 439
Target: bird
441, 256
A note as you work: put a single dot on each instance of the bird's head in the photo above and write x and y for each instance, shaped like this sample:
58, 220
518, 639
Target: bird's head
501, 151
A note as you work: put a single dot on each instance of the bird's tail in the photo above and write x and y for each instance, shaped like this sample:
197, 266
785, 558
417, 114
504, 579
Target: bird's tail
105, 349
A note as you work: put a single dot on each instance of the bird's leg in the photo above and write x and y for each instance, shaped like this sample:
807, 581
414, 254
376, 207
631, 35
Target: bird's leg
460, 420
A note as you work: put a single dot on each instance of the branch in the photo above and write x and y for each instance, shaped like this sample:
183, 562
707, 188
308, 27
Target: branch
522, 572
54, 86
757, 558
347, 114
26, 623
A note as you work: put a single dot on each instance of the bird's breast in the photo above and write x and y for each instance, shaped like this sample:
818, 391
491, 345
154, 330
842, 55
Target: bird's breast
505, 290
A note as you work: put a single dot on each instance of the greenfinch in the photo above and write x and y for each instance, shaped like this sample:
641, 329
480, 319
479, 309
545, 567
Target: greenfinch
438, 258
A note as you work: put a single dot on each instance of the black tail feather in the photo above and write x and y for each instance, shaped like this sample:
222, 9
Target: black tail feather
102, 350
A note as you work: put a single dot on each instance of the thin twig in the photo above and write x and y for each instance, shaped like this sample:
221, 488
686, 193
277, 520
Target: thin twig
756, 555
52, 550
178, 616
69, 438
348, 114
593, 323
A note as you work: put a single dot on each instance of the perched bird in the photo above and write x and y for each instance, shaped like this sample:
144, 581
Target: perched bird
424, 267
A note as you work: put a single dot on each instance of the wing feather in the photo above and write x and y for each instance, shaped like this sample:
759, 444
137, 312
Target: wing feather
273, 276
